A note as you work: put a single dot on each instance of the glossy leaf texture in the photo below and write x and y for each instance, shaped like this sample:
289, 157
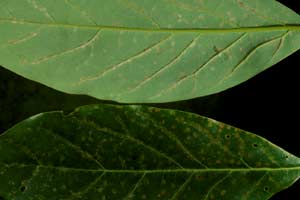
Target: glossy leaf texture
135, 152
144, 51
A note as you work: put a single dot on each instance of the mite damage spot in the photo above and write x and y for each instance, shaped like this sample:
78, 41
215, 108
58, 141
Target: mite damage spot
266, 189
216, 49
134, 157
227, 136
255, 145
23, 188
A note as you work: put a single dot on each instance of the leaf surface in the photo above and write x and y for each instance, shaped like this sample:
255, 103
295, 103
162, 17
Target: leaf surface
141, 50
135, 152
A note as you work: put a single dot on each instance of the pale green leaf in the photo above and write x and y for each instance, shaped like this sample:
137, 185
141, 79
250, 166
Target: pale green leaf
134, 152
144, 50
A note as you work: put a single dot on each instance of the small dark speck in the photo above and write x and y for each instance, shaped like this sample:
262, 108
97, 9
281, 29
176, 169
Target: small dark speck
266, 189
22, 188
227, 136
217, 50
134, 157
255, 145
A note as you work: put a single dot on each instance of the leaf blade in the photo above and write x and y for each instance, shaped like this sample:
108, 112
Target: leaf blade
85, 50
136, 152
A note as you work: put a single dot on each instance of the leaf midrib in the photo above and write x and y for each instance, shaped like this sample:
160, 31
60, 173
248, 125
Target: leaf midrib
292, 27
187, 170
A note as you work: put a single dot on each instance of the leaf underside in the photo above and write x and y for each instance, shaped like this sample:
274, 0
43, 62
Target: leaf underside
141, 50
136, 152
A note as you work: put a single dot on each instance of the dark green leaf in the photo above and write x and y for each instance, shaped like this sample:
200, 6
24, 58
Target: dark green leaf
142, 50
135, 152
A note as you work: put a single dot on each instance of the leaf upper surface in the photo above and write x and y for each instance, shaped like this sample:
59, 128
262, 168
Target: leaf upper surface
141, 50
135, 152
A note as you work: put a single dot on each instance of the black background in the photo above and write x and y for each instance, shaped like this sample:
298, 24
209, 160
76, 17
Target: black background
267, 105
